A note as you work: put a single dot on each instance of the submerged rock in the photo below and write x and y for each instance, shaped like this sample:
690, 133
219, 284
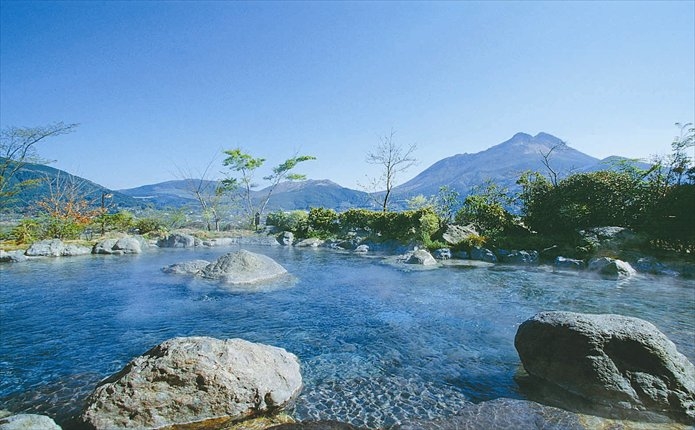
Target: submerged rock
243, 267
193, 267
195, 380
612, 360
501, 414
316, 425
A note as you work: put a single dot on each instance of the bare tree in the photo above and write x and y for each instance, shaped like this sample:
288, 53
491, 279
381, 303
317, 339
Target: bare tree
552, 173
17, 149
394, 159
207, 191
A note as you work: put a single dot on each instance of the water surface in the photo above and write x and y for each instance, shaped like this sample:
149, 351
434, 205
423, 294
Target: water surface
378, 343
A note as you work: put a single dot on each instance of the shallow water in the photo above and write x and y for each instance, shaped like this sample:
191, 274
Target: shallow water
378, 343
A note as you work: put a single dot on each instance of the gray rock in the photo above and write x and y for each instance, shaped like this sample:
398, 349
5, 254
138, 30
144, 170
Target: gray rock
312, 242
501, 414
55, 248
521, 257
455, 234
442, 254
362, 249
28, 422
611, 360
195, 380
610, 268
461, 255
12, 256
178, 240
421, 257
483, 254
286, 238
193, 267
220, 241
243, 267
124, 245
568, 263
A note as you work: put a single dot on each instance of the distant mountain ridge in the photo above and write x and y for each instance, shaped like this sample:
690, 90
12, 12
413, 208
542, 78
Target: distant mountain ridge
502, 163
26, 200
286, 196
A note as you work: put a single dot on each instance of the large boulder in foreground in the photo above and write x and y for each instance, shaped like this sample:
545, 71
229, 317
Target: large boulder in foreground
195, 380
611, 360
243, 267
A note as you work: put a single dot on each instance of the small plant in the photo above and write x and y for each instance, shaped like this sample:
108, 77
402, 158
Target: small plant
27, 231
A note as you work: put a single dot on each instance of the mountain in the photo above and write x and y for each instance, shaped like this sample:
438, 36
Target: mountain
315, 193
175, 193
502, 163
286, 196
48, 176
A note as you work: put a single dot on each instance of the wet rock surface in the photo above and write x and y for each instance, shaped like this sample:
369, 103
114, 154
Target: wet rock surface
195, 380
612, 360
243, 267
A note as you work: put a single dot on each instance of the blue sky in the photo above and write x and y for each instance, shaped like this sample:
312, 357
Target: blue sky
160, 87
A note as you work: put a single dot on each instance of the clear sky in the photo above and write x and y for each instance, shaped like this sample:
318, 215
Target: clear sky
162, 86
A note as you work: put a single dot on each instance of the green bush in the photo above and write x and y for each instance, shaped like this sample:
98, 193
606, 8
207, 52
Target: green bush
322, 222
294, 221
27, 231
149, 225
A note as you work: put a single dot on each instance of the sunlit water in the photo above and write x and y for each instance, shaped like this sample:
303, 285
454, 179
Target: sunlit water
378, 343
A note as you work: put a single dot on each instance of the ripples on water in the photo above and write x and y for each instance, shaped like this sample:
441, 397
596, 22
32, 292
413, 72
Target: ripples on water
378, 343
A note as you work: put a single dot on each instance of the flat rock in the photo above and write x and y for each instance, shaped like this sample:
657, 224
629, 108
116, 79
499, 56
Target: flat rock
195, 380
193, 267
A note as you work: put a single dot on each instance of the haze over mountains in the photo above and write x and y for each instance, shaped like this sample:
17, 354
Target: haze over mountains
502, 163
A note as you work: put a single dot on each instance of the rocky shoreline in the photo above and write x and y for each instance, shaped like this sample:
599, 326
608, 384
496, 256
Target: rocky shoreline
605, 240
628, 370
618, 369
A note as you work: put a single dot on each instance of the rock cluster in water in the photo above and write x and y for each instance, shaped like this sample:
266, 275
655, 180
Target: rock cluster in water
195, 380
240, 267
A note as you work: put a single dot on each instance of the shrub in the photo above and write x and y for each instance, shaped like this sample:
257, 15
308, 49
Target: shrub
27, 231
294, 221
322, 222
149, 225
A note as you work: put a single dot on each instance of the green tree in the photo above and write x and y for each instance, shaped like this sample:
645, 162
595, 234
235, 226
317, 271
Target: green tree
240, 179
17, 148
486, 209
446, 204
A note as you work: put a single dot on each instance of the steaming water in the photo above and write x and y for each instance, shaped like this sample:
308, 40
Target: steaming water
378, 343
